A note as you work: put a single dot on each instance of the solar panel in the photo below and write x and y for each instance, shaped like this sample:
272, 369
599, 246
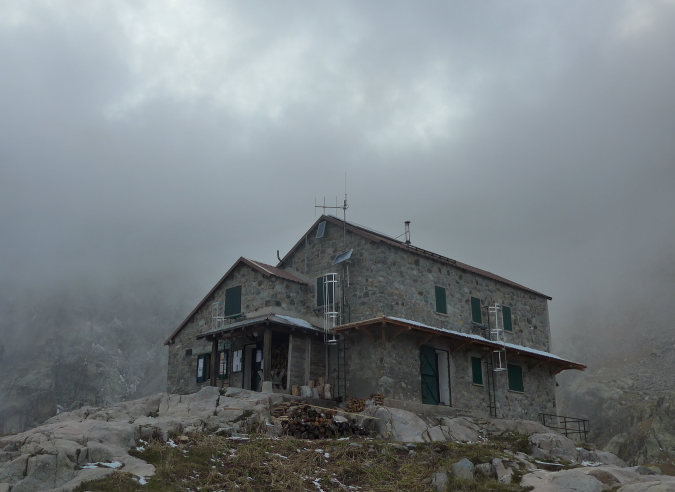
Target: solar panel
343, 256
321, 229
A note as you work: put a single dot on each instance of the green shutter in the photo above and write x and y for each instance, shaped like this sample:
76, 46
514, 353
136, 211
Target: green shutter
515, 378
233, 301
477, 369
441, 306
475, 311
506, 312
319, 291
429, 371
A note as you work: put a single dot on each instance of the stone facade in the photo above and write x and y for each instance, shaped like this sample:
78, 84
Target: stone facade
383, 279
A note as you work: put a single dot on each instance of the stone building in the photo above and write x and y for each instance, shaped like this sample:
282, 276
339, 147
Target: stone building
402, 321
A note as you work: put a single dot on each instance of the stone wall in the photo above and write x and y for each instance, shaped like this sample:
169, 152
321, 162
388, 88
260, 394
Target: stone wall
395, 372
260, 295
388, 280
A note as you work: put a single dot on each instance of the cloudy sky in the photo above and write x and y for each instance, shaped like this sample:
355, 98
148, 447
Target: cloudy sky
161, 140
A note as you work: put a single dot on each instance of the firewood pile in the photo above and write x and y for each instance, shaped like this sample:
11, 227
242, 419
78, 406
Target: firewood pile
355, 405
307, 422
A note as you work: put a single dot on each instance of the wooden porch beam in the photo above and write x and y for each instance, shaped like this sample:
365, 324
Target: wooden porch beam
347, 337
267, 354
458, 347
384, 324
486, 354
532, 366
214, 362
426, 338
398, 331
367, 332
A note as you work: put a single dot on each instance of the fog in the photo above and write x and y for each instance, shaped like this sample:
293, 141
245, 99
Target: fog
145, 147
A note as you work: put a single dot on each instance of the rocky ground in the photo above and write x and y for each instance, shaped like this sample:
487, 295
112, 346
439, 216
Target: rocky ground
156, 441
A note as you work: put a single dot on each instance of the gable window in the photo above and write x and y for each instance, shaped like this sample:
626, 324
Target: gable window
475, 311
203, 368
233, 301
441, 305
506, 314
477, 370
321, 229
515, 378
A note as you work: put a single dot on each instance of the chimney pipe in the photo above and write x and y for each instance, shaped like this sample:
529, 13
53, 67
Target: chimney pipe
407, 232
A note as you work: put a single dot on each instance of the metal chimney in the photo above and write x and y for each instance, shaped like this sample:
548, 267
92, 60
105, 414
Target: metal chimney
407, 232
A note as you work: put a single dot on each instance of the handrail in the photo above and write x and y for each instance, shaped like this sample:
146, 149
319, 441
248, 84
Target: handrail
567, 426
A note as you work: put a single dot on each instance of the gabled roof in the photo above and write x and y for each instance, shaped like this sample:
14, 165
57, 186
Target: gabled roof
463, 339
379, 237
264, 268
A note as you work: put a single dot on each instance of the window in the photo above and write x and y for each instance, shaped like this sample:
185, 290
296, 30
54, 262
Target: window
477, 370
515, 378
321, 229
475, 311
203, 368
441, 305
233, 301
506, 313
188, 352
236, 360
222, 364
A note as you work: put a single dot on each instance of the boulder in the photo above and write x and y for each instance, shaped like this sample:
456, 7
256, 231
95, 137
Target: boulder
460, 429
551, 445
607, 458
434, 434
463, 469
527, 427
484, 469
397, 424
503, 474
440, 481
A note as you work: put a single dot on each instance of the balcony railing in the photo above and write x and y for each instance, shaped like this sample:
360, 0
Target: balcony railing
567, 426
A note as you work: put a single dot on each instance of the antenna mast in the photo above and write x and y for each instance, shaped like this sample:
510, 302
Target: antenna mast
344, 208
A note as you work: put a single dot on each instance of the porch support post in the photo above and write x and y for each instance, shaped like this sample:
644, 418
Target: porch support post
214, 361
267, 354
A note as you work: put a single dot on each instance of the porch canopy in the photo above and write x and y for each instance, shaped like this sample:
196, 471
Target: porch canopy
388, 328
265, 324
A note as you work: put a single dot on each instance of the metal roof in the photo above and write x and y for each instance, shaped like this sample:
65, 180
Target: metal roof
467, 338
268, 318
379, 237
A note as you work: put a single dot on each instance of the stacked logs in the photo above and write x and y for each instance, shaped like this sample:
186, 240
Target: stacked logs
355, 405
378, 398
307, 422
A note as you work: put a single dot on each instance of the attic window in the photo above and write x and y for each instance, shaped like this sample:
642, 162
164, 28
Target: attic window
475, 311
188, 352
506, 313
233, 301
441, 305
321, 229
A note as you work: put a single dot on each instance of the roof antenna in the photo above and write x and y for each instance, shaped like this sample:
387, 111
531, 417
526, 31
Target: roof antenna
344, 208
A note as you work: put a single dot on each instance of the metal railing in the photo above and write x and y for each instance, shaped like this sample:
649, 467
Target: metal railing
567, 426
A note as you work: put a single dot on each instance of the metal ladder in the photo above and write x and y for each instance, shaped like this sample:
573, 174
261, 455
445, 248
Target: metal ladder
342, 370
497, 335
492, 397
